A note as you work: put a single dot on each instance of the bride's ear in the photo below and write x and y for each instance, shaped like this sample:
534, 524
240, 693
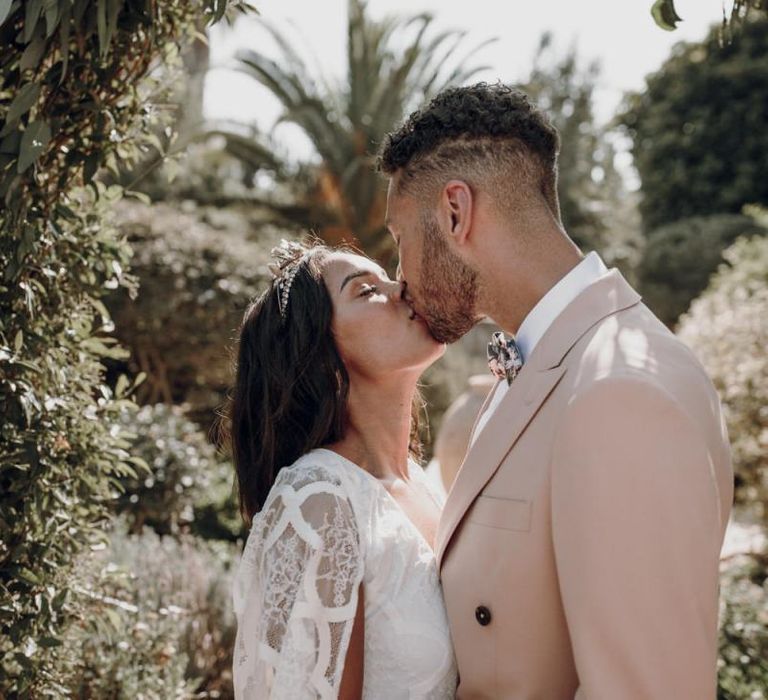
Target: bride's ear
456, 210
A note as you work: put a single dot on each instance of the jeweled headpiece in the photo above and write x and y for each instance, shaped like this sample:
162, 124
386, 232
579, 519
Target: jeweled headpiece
288, 257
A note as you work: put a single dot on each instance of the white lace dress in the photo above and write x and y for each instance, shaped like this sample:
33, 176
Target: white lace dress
326, 526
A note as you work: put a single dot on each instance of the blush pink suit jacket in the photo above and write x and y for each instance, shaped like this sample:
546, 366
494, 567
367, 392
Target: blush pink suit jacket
579, 544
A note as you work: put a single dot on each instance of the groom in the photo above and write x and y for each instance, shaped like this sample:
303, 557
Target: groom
579, 544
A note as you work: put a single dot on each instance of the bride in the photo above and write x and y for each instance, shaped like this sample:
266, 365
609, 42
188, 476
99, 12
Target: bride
337, 593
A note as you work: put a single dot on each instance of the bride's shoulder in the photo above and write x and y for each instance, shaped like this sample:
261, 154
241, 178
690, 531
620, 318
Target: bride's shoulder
314, 466
317, 469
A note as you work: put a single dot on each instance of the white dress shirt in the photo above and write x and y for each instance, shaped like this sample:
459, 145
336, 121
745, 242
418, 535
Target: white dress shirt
541, 317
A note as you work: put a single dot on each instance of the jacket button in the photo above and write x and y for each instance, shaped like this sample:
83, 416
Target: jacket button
483, 615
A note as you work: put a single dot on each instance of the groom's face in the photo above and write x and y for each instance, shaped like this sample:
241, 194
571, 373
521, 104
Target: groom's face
441, 288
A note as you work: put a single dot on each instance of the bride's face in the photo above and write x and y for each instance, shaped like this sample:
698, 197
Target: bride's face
375, 330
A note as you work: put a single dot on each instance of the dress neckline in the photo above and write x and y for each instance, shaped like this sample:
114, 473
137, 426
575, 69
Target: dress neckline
368, 475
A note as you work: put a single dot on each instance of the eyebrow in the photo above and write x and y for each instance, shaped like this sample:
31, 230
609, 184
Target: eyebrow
359, 273
353, 275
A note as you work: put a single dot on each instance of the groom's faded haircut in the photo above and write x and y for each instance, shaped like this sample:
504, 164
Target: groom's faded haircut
489, 135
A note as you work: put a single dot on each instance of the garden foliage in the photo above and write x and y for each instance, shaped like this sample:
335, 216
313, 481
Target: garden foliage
727, 327
679, 259
157, 619
197, 267
187, 487
78, 91
743, 660
699, 139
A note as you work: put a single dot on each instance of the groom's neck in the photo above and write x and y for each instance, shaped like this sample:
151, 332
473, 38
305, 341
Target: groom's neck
521, 267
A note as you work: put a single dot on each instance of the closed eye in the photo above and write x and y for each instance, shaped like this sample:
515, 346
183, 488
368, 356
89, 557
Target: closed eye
369, 289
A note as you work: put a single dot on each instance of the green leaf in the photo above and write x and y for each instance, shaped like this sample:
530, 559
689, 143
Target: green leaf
107, 13
664, 14
221, 8
5, 8
114, 618
49, 642
26, 244
33, 143
33, 8
23, 101
64, 29
28, 365
141, 196
33, 53
28, 576
18, 341
122, 385
92, 163
113, 12
101, 24
65, 212
60, 598
51, 16
100, 308
140, 463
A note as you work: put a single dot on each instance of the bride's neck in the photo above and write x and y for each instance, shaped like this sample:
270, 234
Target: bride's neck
379, 427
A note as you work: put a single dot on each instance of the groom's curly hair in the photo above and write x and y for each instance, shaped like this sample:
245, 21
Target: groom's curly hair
489, 135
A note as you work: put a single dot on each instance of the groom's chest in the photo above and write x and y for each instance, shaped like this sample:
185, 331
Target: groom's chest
499, 574
502, 483
517, 490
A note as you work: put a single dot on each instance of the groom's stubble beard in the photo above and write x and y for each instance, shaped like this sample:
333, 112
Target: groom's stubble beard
448, 287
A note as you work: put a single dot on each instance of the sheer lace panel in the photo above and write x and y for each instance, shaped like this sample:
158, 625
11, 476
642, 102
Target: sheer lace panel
299, 576
326, 525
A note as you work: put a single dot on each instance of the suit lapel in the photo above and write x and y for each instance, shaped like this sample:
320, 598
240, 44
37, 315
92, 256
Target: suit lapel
518, 407
530, 390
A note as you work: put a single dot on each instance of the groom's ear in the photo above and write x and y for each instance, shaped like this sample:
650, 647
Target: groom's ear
456, 210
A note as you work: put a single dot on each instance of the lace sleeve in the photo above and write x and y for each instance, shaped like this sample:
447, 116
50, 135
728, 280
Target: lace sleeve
296, 591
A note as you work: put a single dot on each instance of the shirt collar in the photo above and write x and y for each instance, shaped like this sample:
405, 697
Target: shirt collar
541, 316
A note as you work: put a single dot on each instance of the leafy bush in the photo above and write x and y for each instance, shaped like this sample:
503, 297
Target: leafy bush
186, 486
727, 327
743, 662
158, 620
197, 268
74, 95
679, 259
57, 452
698, 129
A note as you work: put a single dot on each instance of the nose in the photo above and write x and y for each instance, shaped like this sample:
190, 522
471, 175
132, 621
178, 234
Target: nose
396, 290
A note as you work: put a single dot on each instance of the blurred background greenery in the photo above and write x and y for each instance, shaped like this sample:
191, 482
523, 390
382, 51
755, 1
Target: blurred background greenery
134, 233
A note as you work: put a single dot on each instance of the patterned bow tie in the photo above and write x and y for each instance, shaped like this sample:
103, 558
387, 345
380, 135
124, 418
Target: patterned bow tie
504, 357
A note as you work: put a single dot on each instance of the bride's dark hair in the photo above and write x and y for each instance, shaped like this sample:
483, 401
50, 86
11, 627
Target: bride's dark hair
291, 385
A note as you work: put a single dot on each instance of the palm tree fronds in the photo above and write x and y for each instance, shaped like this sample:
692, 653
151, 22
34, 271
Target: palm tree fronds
254, 154
344, 196
459, 74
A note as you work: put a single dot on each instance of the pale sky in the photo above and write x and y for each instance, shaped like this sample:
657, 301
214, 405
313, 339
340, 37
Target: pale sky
620, 34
